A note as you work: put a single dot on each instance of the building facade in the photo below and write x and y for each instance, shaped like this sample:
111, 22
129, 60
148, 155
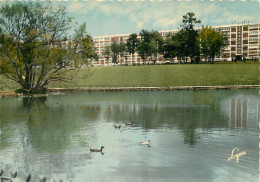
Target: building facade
242, 40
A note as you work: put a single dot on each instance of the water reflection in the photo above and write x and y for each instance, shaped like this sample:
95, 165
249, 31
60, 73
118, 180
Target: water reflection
28, 102
243, 111
187, 129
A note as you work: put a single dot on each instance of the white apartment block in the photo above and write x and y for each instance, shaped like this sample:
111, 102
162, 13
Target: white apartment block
242, 40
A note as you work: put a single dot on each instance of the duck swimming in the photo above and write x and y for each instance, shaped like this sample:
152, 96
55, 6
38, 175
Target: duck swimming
97, 150
117, 126
130, 123
145, 143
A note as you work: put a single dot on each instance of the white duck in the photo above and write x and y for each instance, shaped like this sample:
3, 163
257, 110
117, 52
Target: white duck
145, 143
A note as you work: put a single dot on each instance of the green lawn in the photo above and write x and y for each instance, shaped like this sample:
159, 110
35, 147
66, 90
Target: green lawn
159, 76
168, 75
7, 85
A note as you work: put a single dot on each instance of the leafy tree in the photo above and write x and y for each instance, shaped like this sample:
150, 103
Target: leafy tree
87, 50
211, 42
180, 43
156, 44
107, 53
169, 47
151, 44
115, 50
191, 48
122, 49
189, 21
132, 44
141, 51
145, 47
31, 52
145, 35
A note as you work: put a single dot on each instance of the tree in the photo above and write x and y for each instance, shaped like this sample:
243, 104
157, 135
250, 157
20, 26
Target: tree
141, 51
87, 50
107, 52
122, 50
180, 44
145, 47
189, 21
31, 50
191, 48
156, 44
169, 47
132, 44
211, 42
126, 60
115, 50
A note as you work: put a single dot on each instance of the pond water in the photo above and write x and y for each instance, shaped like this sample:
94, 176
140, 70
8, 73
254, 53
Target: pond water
192, 135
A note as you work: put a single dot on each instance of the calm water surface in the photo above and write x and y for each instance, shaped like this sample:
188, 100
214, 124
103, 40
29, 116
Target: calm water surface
192, 135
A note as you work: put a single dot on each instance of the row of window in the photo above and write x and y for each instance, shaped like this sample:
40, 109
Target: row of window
244, 45
225, 28
253, 39
102, 44
253, 26
244, 51
250, 32
253, 32
252, 45
102, 39
239, 50
245, 38
238, 39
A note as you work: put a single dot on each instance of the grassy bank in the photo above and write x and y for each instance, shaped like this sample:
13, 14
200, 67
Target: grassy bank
158, 76
167, 75
6, 85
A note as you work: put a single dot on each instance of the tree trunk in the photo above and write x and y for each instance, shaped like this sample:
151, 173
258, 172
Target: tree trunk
131, 58
212, 59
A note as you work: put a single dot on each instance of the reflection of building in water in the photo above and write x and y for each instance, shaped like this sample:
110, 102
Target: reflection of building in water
242, 111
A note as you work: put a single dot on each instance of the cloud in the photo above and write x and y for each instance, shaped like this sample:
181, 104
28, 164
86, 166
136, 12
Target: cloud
140, 25
81, 7
167, 14
166, 22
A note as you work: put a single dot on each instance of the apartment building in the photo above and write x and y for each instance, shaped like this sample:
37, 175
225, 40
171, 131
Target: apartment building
243, 40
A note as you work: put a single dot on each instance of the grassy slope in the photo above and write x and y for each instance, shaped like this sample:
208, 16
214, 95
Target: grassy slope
169, 75
7, 85
159, 75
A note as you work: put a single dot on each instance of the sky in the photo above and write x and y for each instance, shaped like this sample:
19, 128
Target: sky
111, 17
125, 17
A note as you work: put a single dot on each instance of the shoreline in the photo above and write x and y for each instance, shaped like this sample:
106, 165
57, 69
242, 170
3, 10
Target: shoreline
51, 91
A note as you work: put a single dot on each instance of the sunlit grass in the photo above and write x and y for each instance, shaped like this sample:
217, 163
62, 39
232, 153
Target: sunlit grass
167, 75
157, 76
7, 85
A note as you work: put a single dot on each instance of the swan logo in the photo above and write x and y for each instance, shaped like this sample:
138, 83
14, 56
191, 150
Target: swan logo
236, 155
